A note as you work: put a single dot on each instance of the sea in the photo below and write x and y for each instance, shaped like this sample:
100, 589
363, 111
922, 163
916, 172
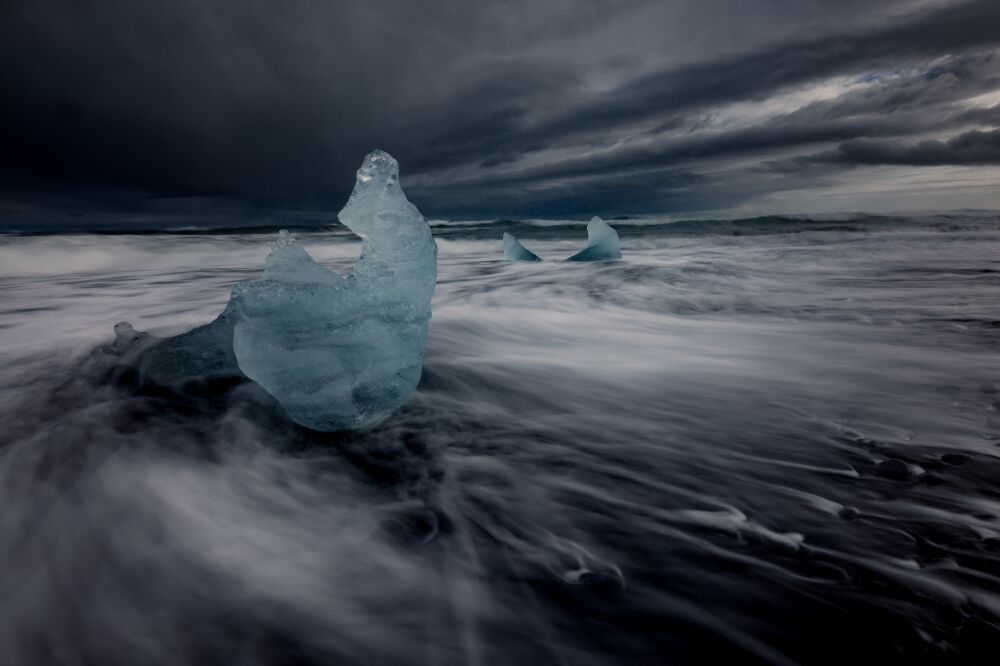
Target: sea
772, 440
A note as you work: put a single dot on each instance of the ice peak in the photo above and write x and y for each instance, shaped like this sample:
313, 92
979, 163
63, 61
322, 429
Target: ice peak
598, 230
378, 167
379, 212
285, 239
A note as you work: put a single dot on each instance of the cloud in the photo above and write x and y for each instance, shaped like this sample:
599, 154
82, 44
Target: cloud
968, 148
660, 97
497, 109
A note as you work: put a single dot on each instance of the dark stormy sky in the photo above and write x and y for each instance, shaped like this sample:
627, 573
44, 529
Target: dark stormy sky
515, 108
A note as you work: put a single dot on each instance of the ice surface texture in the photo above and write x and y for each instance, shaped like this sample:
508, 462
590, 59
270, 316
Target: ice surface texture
344, 352
338, 353
513, 250
602, 243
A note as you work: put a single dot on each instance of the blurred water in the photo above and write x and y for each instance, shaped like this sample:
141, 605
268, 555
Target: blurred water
763, 441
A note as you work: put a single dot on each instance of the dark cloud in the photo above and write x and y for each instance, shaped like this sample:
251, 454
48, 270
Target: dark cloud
546, 107
758, 75
607, 193
968, 148
907, 105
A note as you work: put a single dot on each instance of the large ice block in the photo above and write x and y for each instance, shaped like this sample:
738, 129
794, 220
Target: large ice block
343, 352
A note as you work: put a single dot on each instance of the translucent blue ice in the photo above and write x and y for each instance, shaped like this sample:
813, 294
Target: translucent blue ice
343, 352
514, 251
338, 353
602, 243
197, 359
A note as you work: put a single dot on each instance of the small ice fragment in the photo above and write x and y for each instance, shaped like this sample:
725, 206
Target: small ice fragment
514, 251
602, 243
126, 337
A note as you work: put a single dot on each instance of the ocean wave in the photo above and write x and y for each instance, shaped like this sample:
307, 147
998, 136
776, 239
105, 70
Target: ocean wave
715, 449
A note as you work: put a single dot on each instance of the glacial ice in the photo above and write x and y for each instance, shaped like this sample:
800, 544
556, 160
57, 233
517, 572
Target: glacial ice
185, 363
602, 243
344, 353
338, 353
514, 251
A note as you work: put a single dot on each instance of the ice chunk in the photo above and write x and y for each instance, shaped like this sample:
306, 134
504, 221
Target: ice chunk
602, 243
185, 363
514, 251
343, 352
336, 352
126, 338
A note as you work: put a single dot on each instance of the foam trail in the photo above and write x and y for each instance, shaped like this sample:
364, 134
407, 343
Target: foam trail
697, 452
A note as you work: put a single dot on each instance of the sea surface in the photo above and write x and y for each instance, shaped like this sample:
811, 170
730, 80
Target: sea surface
773, 440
